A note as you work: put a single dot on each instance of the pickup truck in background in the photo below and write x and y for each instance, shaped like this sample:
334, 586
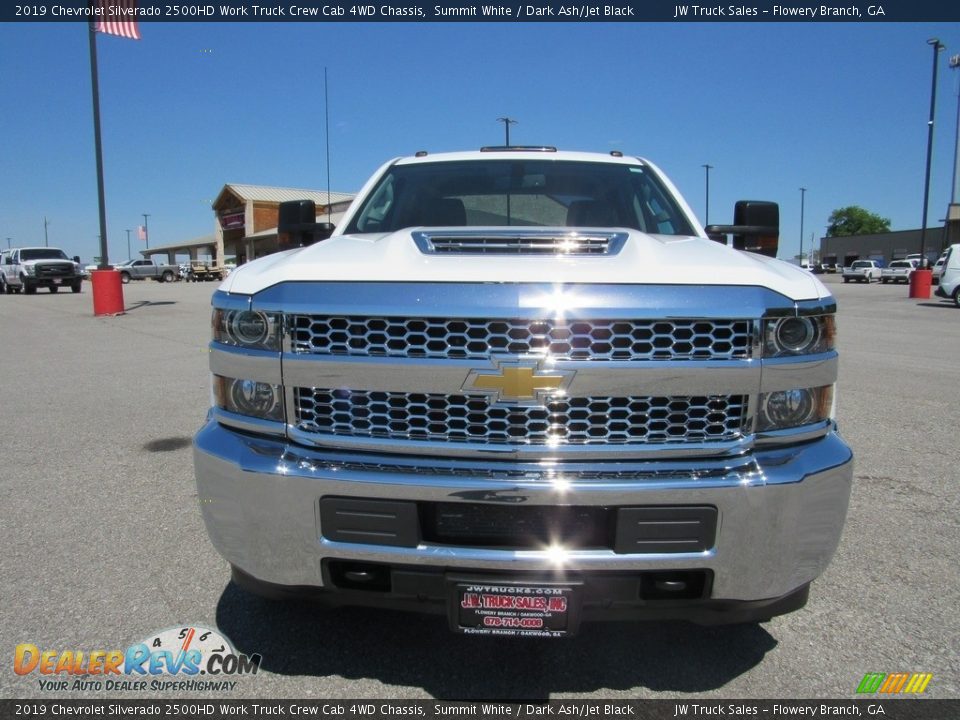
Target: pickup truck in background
26, 269
862, 271
899, 271
143, 269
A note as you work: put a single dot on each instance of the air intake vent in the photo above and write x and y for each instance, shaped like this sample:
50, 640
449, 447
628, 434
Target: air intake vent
519, 243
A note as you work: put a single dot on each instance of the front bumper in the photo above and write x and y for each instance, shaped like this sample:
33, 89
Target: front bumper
779, 512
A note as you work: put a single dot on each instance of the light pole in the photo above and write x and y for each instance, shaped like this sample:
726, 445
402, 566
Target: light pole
955, 65
937, 47
46, 241
803, 192
706, 214
146, 230
129, 256
507, 122
952, 233
8, 243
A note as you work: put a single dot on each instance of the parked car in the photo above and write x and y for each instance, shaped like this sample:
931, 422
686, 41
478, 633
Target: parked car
26, 269
862, 271
938, 269
143, 269
950, 275
899, 271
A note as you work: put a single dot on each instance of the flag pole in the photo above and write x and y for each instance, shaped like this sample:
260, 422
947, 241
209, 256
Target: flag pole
95, 85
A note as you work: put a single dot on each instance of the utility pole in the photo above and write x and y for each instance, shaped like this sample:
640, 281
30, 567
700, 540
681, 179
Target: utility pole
129, 256
937, 47
507, 122
8, 243
146, 230
46, 240
706, 215
803, 192
953, 211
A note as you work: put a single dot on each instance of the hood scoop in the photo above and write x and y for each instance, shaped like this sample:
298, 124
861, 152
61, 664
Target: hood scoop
514, 241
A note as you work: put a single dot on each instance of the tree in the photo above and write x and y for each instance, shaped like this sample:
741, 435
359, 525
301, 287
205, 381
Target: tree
854, 220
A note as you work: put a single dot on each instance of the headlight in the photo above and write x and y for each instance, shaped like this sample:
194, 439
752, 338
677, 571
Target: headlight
248, 397
802, 335
247, 328
785, 409
30, 269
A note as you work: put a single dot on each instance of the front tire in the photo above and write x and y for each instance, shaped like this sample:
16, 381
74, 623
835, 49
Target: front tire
75, 287
26, 287
956, 296
125, 278
167, 277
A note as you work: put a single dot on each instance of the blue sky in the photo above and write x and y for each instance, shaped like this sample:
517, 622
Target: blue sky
840, 109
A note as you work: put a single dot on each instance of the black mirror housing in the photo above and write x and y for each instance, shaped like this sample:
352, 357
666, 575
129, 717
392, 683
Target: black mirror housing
756, 227
297, 225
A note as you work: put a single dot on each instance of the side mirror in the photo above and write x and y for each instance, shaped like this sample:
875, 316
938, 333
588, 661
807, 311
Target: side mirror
756, 227
297, 225
76, 259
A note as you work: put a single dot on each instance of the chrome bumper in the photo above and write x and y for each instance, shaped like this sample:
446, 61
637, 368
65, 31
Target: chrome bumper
780, 511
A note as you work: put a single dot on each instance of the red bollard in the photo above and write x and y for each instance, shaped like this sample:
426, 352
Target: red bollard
920, 282
107, 292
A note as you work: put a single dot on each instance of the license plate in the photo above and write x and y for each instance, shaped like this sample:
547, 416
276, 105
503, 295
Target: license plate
518, 609
57, 281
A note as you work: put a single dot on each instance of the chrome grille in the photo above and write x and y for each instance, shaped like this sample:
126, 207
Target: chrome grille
478, 338
470, 418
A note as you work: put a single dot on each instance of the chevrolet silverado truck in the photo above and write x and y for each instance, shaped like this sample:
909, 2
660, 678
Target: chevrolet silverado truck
143, 269
524, 388
26, 269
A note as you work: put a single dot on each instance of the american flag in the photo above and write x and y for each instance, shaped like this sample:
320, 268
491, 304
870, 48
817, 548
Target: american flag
118, 18
141, 232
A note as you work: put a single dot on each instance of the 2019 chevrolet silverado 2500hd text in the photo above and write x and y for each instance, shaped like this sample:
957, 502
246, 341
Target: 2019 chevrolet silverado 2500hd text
524, 388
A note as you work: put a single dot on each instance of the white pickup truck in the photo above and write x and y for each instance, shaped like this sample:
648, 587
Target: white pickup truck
899, 271
862, 271
521, 388
26, 269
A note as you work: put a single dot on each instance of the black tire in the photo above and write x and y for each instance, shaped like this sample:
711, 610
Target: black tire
125, 277
956, 296
167, 277
75, 287
883, 281
26, 287
54, 288
846, 280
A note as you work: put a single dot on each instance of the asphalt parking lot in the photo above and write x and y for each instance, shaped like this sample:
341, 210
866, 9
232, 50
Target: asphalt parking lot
102, 541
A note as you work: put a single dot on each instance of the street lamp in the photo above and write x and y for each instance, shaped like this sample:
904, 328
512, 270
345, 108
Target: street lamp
937, 47
146, 230
129, 256
706, 215
507, 122
803, 192
46, 241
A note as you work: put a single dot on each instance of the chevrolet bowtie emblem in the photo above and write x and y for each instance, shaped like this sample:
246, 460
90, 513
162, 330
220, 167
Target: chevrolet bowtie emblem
519, 383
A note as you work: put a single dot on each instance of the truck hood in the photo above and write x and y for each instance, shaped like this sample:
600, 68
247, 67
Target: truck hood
644, 259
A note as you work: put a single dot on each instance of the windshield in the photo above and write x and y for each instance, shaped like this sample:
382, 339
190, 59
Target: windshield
43, 254
524, 193
861, 264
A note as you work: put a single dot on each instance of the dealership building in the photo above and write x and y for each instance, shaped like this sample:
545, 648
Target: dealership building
245, 223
